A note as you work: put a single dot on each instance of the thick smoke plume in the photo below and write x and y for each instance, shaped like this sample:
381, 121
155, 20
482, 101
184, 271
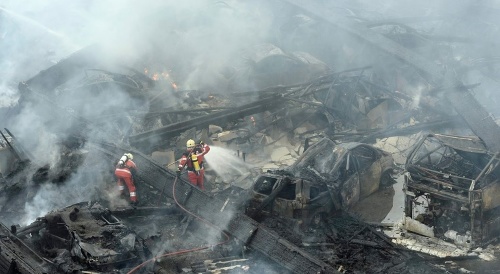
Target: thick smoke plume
196, 40
201, 43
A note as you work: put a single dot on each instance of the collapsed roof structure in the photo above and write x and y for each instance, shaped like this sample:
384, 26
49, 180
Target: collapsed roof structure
144, 115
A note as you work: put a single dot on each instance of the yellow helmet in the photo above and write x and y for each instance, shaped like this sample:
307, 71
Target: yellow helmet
129, 156
190, 143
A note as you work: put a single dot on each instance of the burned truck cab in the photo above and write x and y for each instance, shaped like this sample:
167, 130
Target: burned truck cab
452, 186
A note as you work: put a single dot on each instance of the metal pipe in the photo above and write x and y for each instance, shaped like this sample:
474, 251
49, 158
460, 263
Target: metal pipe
487, 166
11, 147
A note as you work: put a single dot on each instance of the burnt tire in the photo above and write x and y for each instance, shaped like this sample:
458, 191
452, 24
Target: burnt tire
386, 179
317, 220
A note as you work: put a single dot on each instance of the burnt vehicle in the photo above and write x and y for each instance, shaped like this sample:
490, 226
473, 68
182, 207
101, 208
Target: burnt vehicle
451, 185
325, 178
293, 198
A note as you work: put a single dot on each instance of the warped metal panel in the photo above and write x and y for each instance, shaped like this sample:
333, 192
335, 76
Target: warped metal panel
14, 251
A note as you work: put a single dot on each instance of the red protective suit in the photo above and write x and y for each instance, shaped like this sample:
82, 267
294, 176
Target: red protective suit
124, 175
196, 178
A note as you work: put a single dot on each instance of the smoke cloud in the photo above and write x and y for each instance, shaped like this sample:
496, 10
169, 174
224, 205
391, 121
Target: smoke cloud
191, 39
202, 45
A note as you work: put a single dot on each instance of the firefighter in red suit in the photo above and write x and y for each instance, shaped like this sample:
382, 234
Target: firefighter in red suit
123, 172
193, 160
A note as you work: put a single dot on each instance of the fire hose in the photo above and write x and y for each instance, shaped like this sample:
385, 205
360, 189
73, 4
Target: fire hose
163, 189
185, 250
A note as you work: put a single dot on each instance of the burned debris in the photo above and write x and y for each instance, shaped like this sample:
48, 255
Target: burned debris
451, 187
352, 171
301, 133
325, 179
83, 235
304, 201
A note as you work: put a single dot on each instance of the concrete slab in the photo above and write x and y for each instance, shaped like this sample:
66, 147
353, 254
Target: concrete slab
213, 129
227, 136
289, 162
398, 146
300, 130
431, 246
269, 166
396, 213
279, 153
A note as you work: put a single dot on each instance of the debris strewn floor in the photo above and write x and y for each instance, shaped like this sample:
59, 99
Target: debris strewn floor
345, 138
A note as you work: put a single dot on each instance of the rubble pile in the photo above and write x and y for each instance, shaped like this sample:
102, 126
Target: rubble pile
357, 245
302, 135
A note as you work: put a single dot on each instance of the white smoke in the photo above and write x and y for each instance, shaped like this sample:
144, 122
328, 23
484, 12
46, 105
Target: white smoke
197, 40
8, 95
91, 181
183, 36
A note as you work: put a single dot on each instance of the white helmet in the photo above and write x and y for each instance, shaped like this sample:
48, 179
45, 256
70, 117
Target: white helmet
129, 156
190, 143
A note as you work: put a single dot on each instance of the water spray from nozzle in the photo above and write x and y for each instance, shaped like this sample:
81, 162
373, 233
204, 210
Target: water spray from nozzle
22, 18
32, 22
226, 162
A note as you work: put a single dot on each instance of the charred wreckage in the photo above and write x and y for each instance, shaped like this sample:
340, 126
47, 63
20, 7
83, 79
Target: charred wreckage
453, 178
293, 214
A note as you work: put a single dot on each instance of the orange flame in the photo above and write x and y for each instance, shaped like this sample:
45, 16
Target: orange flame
157, 76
